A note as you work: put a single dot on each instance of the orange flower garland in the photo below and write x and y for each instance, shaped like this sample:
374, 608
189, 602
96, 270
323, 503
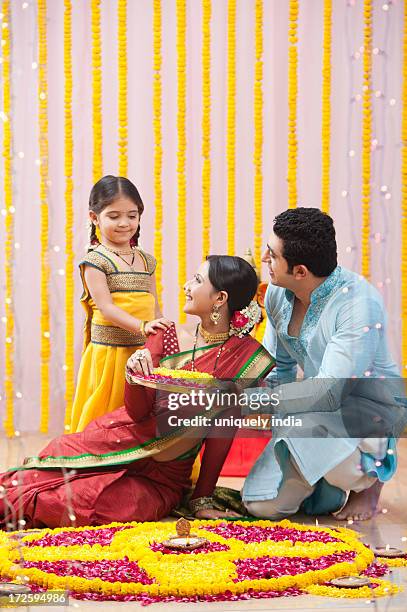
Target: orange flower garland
326, 105
69, 262
9, 225
122, 79
206, 125
231, 127
181, 153
404, 205
366, 136
158, 151
97, 165
292, 103
45, 272
258, 134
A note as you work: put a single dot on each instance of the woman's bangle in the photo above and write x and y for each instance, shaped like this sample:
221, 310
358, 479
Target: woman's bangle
201, 503
142, 326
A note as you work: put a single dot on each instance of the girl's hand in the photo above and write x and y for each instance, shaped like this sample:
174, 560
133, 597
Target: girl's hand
212, 513
151, 326
141, 362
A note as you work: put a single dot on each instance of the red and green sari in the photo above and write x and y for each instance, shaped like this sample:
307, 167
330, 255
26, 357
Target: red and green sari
108, 472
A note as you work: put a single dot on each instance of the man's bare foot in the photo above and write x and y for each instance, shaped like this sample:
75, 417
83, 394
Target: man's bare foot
361, 506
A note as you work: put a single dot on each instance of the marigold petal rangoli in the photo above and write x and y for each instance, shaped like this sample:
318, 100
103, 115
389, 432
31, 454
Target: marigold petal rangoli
239, 560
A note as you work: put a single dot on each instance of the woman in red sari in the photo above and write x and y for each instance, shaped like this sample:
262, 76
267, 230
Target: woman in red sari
119, 468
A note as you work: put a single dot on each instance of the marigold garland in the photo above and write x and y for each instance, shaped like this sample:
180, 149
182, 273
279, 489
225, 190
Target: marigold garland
69, 215
9, 226
292, 103
366, 135
326, 105
181, 152
158, 151
236, 557
404, 204
383, 588
97, 164
45, 271
393, 561
231, 127
258, 134
122, 84
206, 126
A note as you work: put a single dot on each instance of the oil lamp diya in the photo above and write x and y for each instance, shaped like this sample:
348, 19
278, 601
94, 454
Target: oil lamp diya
184, 540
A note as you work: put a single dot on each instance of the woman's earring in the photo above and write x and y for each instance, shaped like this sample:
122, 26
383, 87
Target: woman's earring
215, 314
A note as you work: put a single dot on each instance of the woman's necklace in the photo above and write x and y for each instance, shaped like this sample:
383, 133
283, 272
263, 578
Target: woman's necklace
212, 338
193, 368
120, 253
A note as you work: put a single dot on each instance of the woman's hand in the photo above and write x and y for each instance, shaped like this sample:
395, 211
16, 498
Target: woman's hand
151, 326
141, 362
212, 513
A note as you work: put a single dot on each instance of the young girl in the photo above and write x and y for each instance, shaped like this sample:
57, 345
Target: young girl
119, 298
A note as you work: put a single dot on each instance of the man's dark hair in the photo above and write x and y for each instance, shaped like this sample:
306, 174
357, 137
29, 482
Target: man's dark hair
308, 237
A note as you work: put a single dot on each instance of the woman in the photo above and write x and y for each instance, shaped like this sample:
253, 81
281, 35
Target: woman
118, 469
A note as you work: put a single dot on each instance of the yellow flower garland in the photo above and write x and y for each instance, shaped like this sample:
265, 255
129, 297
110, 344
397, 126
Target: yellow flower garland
206, 126
9, 226
45, 272
97, 165
404, 204
258, 134
366, 136
186, 575
292, 104
326, 105
181, 153
69, 214
122, 79
158, 152
385, 588
231, 127
189, 374
395, 562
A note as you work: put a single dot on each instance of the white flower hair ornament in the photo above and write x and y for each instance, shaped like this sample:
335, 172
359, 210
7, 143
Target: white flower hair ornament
243, 320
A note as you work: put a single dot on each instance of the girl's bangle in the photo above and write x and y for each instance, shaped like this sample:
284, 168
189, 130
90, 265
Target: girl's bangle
142, 326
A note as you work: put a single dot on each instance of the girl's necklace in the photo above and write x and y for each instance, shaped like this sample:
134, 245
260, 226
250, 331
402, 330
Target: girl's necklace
120, 253
193, 368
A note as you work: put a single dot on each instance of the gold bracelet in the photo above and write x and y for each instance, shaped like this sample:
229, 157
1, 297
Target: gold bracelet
142, 326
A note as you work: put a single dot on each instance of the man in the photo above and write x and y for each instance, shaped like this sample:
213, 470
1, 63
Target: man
331, 323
